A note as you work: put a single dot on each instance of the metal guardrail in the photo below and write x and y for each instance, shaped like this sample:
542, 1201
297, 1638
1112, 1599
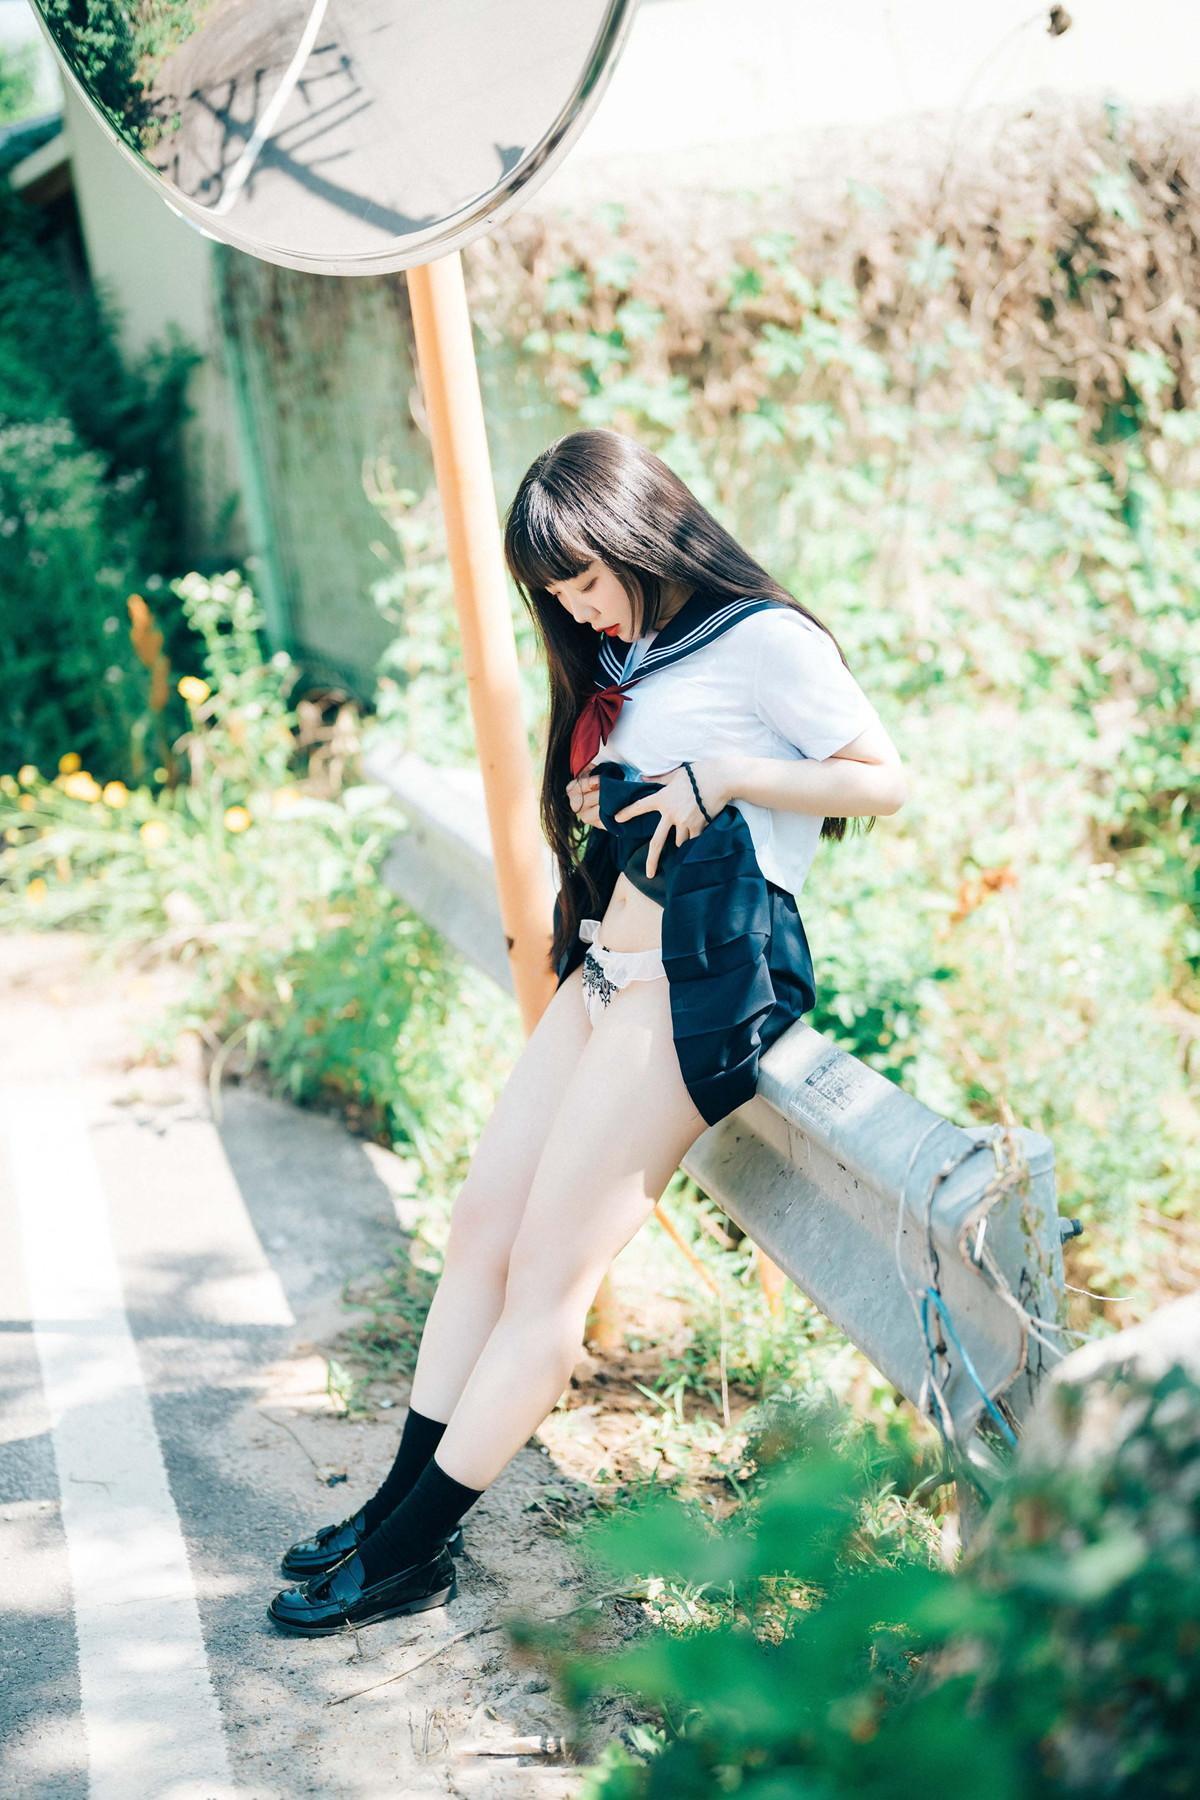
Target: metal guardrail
936, 1248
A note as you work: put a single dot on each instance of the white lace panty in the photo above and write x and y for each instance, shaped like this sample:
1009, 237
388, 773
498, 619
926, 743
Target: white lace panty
606, 972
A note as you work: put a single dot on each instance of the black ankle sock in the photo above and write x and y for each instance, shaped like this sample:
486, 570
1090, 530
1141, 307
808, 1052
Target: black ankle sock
418, 1441
424, 1518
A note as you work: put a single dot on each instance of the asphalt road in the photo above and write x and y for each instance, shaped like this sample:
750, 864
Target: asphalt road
167, 1281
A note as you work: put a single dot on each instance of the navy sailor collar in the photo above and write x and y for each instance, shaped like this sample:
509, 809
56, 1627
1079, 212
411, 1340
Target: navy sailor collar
700, 621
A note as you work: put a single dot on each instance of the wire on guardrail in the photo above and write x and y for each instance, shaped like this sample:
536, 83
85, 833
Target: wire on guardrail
932, 1294
1008, 1174
943, 1418
1011, 1171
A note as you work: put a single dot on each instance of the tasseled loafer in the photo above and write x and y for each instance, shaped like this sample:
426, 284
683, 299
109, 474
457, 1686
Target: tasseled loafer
326, 1548
342, 1601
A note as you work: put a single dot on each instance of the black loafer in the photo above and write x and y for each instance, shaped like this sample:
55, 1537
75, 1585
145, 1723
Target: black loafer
341, 1600
326, 1548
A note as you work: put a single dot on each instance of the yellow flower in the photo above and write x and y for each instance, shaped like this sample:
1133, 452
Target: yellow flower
193, 689
35, 893
27, 803
7, 785
237, 818
68, 763
81, 786
115, 793
27, 774
12, 834
153, 832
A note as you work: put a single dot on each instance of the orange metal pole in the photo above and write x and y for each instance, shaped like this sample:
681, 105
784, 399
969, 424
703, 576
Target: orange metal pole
454, 407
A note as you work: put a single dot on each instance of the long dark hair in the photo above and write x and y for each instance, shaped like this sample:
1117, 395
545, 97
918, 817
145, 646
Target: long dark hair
600, 494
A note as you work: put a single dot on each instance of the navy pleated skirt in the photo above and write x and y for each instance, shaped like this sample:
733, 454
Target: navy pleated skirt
734, 948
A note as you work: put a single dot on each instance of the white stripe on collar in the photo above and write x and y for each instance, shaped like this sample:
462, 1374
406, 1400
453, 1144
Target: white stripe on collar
710, 626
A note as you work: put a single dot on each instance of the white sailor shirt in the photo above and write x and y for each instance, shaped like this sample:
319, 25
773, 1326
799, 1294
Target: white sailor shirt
773, 685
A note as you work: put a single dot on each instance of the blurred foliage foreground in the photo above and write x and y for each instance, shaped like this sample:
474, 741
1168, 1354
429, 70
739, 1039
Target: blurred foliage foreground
801, 1658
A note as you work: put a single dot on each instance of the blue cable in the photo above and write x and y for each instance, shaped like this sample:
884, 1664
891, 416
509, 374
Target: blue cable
932, 1294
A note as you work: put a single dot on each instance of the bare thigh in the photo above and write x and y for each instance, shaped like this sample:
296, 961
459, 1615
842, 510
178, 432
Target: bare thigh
624, 1122
488, 1208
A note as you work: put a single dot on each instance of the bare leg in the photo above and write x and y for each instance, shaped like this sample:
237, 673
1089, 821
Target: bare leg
622, 1126
487, 1210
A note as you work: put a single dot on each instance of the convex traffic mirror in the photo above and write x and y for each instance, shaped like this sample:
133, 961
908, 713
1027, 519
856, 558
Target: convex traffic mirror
345, 137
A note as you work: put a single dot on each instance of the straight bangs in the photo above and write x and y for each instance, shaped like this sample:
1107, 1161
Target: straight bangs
547, 541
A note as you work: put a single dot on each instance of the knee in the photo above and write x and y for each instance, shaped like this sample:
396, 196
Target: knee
547, 1333
541, 1294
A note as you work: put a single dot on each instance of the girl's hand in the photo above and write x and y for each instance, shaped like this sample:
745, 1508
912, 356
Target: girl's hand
583, 793
676, 802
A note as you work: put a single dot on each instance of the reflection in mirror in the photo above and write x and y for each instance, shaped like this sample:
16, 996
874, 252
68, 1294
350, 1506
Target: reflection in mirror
341, 136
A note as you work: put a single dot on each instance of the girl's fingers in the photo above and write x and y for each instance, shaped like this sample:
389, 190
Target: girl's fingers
656, 847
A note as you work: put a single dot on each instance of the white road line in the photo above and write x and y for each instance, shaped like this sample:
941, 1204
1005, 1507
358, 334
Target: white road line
151, 1715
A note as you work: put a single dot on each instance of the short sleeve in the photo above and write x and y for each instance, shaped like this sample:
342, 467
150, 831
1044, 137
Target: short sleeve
803, 689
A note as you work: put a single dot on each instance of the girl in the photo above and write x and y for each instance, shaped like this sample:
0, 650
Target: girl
704, 732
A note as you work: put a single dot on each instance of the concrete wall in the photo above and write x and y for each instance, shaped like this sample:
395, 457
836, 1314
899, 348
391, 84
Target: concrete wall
328, 372
158, 271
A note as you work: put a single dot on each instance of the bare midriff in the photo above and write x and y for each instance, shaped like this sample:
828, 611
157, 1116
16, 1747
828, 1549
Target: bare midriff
632, 920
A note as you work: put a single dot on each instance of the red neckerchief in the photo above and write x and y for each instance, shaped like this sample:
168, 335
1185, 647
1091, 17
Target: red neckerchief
595, 723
